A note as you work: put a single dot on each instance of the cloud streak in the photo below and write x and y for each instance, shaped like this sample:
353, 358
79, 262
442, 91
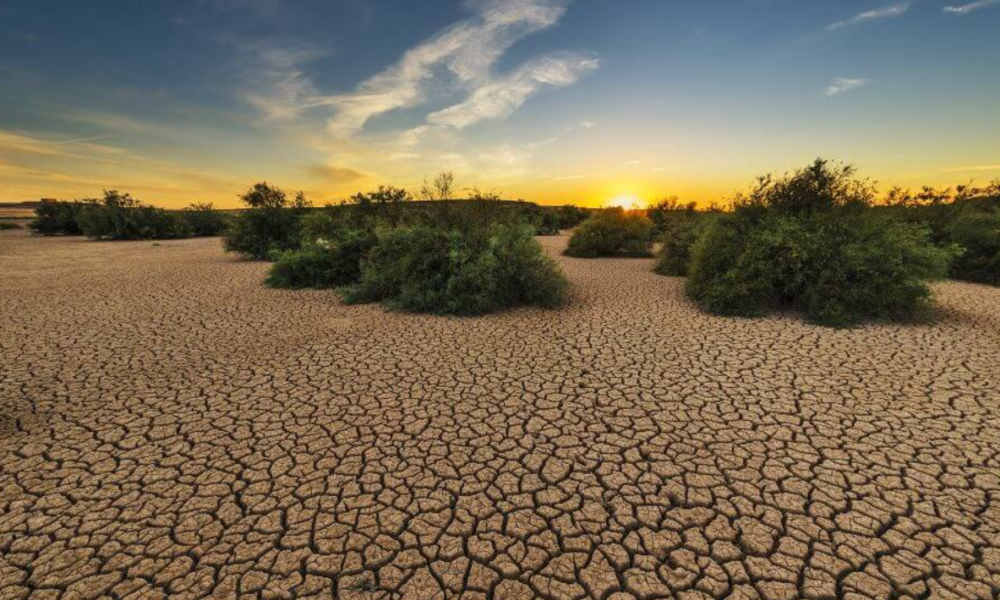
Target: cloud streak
468, 50
842, 85
965, 9
894, 10
502, 97
285, 87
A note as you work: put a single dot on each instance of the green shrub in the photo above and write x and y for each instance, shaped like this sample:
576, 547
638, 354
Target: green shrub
271, 223
968, 220
202, 220
664, 213
866, 266
468, 271
119, 216
677, 240
978, 235
325, 264
5, 226
612, 232
832, 256
570, 216
56, 217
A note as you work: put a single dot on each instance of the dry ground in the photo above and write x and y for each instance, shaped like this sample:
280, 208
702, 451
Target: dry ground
172, 428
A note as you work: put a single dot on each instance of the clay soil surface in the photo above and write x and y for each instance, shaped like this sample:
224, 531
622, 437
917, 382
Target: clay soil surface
169, 427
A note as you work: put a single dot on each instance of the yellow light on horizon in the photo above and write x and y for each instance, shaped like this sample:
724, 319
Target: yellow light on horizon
626, 202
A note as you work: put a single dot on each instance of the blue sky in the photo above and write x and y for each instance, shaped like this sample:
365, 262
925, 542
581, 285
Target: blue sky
549, 100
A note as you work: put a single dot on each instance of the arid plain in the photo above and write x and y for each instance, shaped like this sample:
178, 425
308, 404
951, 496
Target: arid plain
170, 427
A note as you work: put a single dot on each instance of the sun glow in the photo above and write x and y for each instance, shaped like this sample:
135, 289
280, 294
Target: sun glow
627, 202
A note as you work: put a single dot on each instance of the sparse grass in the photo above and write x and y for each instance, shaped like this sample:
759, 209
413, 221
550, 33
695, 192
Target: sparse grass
362, 585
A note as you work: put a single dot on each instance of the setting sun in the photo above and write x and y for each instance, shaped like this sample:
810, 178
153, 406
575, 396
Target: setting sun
627, 202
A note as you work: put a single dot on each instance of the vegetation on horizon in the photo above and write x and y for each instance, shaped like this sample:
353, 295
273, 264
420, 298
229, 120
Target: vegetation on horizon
119, 216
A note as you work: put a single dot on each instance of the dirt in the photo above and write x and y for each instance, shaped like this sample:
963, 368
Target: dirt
169, 427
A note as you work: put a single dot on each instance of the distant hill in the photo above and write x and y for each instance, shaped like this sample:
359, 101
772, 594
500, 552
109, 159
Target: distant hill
25, 205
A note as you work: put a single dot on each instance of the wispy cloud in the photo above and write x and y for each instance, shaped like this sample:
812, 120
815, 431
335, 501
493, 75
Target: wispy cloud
573, 177
281, 86
503, 96
468, 50
888, 12
964, 9
82, 140
995, 167
839, 86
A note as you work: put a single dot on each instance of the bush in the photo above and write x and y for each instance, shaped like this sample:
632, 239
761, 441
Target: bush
55, 217
664, 213
119, 216
612, 232
978, 235
270, 225
469, 271
570, 216
831, 255
968, 220
326, 264
678, 238
5, 226
202, 220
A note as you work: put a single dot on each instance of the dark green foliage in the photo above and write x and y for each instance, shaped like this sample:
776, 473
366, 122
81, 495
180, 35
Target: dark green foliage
271, 223
967, 220
677, 239
570, 216
612, 232
119, 216
202, 220
55, 217
5, 226
832, 257
867, 266
663, 213
325, 264
977, 233
468, 271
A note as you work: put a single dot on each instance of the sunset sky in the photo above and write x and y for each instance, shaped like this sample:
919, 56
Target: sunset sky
554, 101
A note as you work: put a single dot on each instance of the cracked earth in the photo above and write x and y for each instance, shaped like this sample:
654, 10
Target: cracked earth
169, 427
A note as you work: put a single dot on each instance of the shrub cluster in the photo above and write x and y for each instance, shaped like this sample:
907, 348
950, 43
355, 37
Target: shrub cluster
969, 221
325, 263
462, 258
54, 217
119, 216
677, 238
612, 232
270, 224
811, 241
469, 271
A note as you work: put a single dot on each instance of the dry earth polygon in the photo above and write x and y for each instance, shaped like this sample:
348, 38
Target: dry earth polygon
171, 428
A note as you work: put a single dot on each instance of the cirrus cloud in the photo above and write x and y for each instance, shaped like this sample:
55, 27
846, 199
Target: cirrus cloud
888, 12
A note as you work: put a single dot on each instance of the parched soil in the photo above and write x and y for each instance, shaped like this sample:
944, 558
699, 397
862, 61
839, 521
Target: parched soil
169, 427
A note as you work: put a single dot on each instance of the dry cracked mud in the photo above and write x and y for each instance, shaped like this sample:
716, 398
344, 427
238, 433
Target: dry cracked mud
169, 427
